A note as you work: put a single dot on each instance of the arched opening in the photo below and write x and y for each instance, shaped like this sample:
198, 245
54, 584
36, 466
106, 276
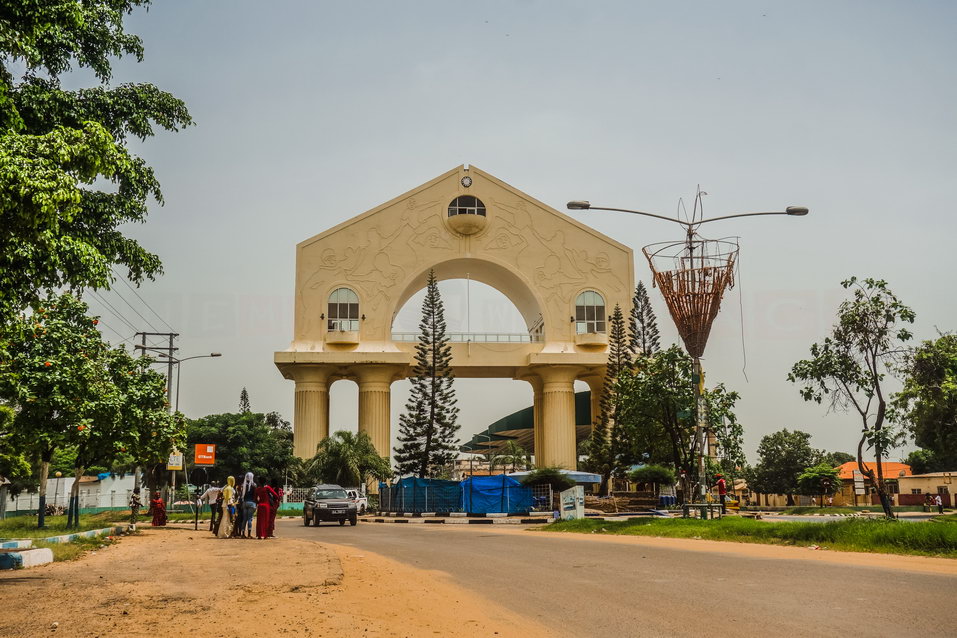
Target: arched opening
484, 302
473, 311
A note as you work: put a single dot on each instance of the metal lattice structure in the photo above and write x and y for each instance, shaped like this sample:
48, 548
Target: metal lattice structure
693, 275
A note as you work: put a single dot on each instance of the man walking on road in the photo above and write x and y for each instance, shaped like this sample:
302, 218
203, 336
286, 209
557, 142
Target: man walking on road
939, 502
209, 497
722, 492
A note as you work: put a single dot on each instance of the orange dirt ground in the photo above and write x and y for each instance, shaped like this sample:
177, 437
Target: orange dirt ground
170, 581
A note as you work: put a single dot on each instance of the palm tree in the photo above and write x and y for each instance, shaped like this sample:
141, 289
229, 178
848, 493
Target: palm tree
346, 459
515, 455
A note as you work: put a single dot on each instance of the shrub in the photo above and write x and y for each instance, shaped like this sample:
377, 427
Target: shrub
549, 476
653, 474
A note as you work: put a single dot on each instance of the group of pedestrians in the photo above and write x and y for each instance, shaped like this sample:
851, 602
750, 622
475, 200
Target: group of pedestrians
932, 501
234, 510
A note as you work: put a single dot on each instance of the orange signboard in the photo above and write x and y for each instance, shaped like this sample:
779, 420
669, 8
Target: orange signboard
205, 454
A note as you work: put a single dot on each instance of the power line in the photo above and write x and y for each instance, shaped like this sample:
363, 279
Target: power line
116, 312
117, 293
111, 329
158, 315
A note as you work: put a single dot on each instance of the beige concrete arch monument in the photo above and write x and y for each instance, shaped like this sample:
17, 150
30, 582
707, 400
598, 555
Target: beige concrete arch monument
351, 281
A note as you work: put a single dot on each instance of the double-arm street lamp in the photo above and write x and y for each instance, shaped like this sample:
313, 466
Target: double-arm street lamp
692, 276
691, 227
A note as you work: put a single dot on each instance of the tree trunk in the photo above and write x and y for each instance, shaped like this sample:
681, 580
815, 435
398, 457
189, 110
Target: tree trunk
42, 506
790, 501
73, 513
137, 484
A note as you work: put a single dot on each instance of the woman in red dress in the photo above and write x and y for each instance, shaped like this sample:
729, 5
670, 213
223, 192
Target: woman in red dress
158, 507
265, 500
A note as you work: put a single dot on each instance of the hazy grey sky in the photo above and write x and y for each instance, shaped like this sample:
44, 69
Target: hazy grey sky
308, 113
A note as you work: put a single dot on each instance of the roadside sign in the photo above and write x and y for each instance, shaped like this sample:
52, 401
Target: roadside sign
859, 483
175, 461
204, 454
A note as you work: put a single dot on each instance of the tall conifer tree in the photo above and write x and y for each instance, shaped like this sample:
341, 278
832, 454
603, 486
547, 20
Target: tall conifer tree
427, 430
244, 402
604, 448
643, 338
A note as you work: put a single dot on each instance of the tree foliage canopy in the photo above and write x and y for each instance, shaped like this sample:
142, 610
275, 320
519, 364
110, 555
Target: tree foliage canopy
428, 430
782, 457
658, 407
848, 369
345, 459
927, 404
67, 179
245, 442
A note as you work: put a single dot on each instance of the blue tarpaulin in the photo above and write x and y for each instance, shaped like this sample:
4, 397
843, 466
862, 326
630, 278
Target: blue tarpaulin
485, 494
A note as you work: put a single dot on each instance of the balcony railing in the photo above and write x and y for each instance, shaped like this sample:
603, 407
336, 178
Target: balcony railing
475, 337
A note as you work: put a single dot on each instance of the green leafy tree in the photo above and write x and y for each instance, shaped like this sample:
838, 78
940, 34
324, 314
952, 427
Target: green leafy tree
250, 442
346, 459
927, 404
657, 413
643, 337
658, 475
821, 480
836, 459
925, 461
149, 432
52, 374
782, 457
67, 178
14, 465
244, 402
604, 448
515, 456
849, 368
428, 428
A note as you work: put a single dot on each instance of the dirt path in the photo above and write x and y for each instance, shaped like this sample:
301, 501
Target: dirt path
169, 581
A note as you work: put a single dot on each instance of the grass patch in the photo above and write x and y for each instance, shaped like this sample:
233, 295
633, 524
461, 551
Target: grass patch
855, 535
821, 510
76, 549
26, 526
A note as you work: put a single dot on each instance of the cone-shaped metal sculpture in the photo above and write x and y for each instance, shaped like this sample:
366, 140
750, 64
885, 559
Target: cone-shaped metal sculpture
693, 275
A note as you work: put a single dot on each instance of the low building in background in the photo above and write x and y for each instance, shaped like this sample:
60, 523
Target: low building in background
915, 488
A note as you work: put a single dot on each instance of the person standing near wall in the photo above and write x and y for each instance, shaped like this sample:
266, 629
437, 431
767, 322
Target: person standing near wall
722, 492
248, 499
227, 513
939, 502
135, 505
211, 497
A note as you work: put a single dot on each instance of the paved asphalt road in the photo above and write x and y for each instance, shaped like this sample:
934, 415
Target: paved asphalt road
581, 586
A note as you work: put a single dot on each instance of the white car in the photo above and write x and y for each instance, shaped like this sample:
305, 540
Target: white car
362, 503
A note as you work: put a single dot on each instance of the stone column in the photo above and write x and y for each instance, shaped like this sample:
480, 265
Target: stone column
536, 384
375, 383
311, 417
558, 417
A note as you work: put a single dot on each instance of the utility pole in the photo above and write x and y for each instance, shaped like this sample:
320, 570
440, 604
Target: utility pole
168, 352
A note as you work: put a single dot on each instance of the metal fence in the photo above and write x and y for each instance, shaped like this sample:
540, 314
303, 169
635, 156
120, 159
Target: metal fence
542, 497
416, 499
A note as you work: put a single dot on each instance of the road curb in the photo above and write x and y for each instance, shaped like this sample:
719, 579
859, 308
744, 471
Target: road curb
26, 558
462, 521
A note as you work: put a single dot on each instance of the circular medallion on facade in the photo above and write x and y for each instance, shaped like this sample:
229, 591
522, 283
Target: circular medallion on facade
466, 181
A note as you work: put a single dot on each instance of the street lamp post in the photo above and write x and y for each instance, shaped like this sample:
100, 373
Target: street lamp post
169, 387
692, 288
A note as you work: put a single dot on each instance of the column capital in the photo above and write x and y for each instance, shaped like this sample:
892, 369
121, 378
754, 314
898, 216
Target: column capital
556, 373
377, 373
311, 373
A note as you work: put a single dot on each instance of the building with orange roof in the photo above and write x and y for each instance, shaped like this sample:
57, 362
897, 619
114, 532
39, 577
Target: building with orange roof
892, 472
